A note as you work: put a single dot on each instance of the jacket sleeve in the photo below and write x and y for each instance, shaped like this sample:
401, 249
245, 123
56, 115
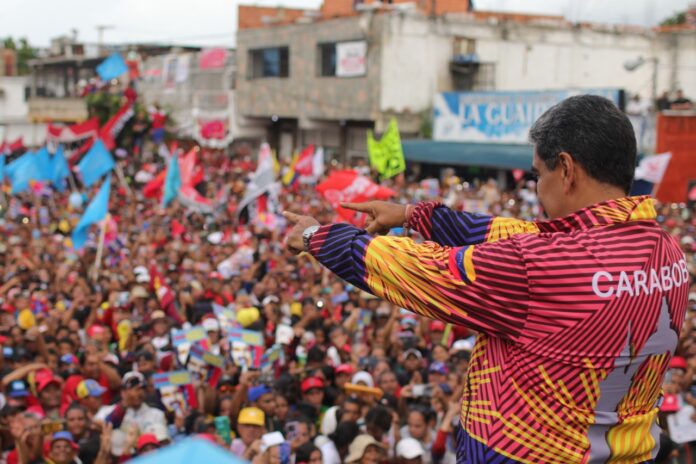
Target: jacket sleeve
442, 225
483, 287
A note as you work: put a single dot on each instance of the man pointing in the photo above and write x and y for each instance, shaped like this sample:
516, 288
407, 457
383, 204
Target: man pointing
578, 316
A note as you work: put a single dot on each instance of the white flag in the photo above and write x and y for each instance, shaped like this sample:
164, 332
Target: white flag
318, 163
652, 168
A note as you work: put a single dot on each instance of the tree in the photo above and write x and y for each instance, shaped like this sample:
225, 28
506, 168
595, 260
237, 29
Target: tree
675, 20
25, 52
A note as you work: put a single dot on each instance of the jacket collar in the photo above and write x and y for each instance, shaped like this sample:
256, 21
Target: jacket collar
606, 213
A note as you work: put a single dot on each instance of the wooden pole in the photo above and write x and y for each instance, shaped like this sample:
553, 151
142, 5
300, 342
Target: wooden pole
100, 247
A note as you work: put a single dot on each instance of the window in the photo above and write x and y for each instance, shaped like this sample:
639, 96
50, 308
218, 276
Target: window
268, 62
342, 59
327, 59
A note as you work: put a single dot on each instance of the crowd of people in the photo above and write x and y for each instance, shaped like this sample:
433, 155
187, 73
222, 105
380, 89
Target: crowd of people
344, 376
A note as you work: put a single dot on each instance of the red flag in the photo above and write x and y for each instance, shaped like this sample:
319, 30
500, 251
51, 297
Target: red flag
165, 295
304, 166
115, 125
177, 228
349, 186
153, 189
74, 133
213, 58
17, 145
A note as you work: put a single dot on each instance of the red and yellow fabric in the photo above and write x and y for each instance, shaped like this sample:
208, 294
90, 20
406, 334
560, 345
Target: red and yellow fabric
578, 319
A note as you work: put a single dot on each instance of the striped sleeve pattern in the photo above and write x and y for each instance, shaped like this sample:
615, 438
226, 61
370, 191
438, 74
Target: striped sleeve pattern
482, 287
447, 227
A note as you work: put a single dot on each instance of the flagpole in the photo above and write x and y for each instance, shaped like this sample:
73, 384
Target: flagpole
100, 247
122, 179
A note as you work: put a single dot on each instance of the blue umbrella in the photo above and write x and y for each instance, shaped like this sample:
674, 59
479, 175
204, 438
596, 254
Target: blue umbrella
189, 451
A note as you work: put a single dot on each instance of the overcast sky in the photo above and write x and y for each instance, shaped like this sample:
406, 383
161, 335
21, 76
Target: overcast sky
213, 22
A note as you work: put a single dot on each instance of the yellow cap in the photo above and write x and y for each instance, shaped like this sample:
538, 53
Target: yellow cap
252, 416
64, 226
26, 319
296, 309
247, 316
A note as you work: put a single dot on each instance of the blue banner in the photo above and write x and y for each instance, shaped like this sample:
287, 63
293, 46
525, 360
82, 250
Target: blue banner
498, 117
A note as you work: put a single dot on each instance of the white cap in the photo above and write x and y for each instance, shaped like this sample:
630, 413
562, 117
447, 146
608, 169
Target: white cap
364, 377
271, 439
409, 448
462, 345
158, 430
211, 324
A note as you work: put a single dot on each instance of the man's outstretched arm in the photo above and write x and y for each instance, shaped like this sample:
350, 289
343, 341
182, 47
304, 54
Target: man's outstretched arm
483, 287
440, 224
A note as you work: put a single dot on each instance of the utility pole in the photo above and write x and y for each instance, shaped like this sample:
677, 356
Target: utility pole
100, 36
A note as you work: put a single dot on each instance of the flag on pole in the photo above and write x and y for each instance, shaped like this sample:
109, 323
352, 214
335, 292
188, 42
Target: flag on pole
97, 162
349, 186
115, 125
387, 154
21, 171
305, 162
112, 67
2, 167
172, 183
652, 168
318, 163
59, 169
260, 201
43, 165
290, 175
96, 211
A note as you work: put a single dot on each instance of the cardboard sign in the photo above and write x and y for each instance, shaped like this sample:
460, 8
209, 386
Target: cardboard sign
206, 356
250, 337
171, 379
192, 335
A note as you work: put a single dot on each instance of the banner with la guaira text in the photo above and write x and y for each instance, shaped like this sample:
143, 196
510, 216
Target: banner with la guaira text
498, 117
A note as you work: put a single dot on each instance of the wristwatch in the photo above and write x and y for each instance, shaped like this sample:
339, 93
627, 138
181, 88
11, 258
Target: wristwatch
307, 236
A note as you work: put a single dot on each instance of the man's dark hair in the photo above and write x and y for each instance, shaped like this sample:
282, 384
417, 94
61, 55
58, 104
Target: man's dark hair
594, 132
380, 417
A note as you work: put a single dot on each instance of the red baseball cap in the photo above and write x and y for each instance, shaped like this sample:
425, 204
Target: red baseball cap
43, 381
312, 382
437, 325
344, 369
678, 362
147, 439
95, 331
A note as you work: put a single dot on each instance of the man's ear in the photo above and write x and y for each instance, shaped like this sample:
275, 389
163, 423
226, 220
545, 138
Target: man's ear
569, 171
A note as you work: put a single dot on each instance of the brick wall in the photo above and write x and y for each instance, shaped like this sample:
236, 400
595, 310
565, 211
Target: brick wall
255, 17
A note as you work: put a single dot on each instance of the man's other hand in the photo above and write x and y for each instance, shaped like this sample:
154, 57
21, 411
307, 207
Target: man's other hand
384, 215
294, 239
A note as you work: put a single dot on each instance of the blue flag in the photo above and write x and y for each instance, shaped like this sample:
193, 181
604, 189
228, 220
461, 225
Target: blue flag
95, 212
112, 67
59, 169
97, 162
2, 167
21, 171
172, 183
43, 165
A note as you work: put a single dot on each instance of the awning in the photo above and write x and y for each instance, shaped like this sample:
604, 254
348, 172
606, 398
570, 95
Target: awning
491, 155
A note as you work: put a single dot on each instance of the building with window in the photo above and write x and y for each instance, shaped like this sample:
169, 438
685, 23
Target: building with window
327, 76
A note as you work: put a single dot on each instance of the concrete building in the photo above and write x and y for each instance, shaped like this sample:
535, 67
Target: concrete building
14, 112
327, 76
198, 96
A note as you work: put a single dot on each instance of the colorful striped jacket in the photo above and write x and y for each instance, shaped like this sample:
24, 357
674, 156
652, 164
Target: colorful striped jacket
578, 319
